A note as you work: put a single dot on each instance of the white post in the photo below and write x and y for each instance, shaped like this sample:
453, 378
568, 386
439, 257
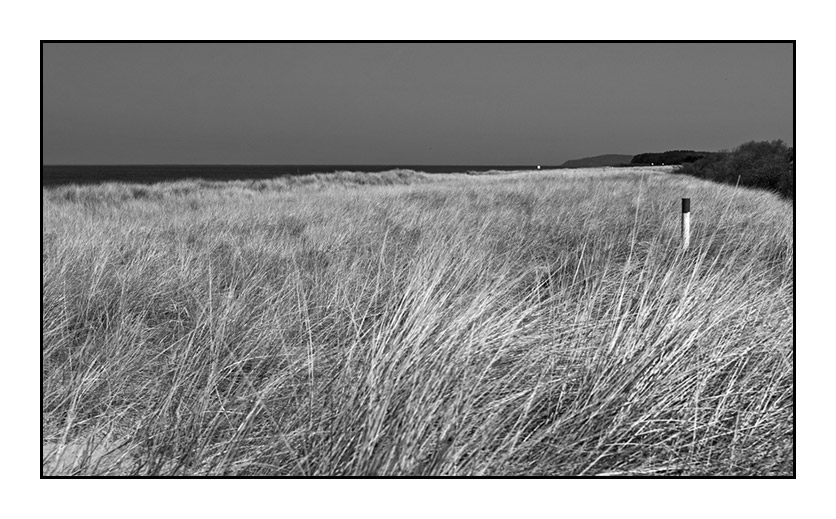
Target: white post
686, 223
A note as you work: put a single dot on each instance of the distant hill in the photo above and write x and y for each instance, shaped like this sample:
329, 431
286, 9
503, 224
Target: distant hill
598, 161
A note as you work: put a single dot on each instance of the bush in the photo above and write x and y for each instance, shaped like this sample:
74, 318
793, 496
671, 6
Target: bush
767, 165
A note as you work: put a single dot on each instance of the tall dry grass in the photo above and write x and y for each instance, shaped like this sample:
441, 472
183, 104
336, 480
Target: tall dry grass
541, 323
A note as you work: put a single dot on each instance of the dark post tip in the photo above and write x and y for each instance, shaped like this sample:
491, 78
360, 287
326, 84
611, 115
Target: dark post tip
686, 205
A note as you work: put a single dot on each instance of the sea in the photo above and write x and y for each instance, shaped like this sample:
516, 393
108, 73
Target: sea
53, 175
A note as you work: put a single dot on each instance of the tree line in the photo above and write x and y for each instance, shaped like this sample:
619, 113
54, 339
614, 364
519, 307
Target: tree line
668, 158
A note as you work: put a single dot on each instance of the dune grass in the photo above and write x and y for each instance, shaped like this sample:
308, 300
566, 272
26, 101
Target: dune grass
540, 323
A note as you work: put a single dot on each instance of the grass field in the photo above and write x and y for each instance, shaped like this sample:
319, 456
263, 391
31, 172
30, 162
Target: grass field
532, 323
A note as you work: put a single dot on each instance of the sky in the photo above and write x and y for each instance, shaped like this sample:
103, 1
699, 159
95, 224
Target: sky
407, 103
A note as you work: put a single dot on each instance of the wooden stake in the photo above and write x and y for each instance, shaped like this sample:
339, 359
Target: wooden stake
686, 223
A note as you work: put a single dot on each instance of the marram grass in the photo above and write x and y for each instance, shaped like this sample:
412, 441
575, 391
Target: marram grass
542, 323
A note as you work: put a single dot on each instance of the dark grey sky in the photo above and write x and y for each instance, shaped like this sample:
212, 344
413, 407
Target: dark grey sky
379, 103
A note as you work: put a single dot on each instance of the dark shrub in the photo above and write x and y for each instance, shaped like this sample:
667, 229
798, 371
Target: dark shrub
767, 165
